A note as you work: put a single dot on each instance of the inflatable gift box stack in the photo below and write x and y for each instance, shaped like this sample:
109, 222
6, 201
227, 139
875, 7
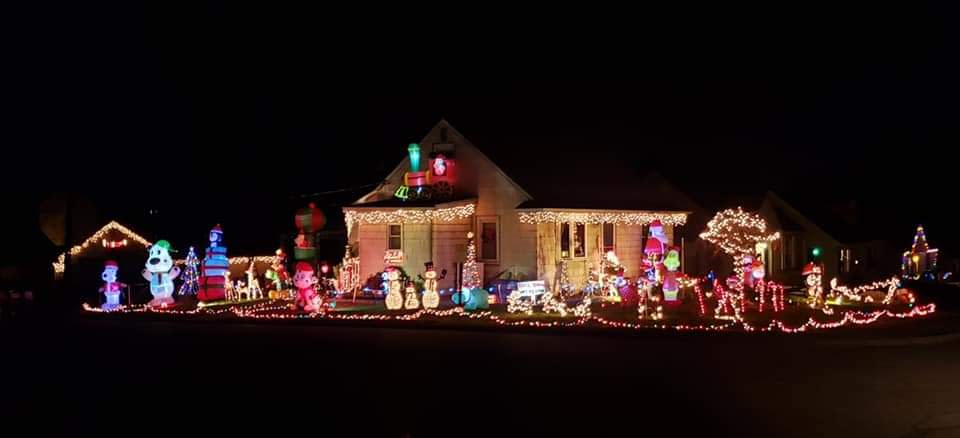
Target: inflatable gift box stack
216, 268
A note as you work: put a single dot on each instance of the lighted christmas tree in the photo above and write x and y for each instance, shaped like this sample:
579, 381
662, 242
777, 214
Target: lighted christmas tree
471, 274
190, 284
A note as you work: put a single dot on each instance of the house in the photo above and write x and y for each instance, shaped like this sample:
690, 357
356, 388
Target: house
831, 234
920, 259
447, 187
115, 241
835, 237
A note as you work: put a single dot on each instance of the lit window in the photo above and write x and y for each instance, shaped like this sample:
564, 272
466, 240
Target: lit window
395, 237
845, 259
573, 241
608, 238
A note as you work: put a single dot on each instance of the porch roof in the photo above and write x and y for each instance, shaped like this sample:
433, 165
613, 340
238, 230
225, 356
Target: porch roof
384, 214
598, 216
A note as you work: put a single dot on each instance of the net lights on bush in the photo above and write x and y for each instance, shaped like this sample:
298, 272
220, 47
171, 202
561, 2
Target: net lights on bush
600, 217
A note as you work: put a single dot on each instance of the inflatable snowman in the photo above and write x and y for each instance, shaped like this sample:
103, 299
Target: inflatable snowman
111, 288
394, 300
411, 302
431, 298
160, 272
305, 281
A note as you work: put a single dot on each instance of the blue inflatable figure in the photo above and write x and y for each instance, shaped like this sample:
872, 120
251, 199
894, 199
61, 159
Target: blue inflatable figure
473, 299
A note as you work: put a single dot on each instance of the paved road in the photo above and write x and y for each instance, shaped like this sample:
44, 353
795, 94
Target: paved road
395, 380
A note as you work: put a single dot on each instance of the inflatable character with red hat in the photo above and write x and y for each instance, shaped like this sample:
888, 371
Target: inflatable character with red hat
111, 287
305, 280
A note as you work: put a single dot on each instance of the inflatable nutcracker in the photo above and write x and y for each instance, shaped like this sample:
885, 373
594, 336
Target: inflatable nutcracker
111, 287
216, 269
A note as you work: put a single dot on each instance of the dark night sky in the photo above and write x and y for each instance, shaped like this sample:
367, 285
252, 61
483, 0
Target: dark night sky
218, 111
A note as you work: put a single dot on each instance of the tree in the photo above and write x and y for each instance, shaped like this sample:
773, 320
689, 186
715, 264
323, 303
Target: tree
737, 232
190, 284
471, 274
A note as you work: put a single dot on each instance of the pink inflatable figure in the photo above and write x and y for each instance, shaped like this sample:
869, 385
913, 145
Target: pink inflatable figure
305, 281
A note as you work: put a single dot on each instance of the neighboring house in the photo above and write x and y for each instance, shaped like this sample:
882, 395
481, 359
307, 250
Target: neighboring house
921, 258
520, 235
846, 251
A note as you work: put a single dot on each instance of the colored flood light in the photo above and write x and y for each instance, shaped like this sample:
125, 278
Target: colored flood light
414, 150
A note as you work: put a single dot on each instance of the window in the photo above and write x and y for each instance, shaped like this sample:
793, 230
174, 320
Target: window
792, 251
608, 238
489, 231
845, 260
394, 237
573, 241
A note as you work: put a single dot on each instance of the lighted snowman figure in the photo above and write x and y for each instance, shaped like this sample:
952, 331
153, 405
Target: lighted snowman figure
670, 285
111, 288
814, 286
431, 298
394, 300
411, 302
160, 272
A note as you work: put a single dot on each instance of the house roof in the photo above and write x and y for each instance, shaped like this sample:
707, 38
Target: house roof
404, 164
566, 179
399, 203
